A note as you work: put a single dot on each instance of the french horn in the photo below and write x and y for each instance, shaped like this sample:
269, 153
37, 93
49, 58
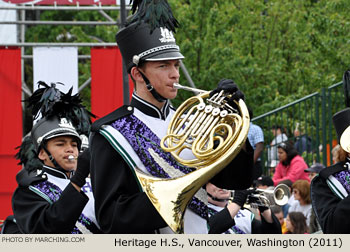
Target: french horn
214, 132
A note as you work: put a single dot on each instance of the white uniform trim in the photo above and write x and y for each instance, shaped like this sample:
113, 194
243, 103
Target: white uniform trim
337, 187
193, 224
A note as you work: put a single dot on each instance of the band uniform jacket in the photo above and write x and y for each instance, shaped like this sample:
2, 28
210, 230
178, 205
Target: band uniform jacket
222, 221
331, 211
121, 206
36, 214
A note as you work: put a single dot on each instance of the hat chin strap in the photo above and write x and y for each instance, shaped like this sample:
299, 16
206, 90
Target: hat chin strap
150, 88
56, 165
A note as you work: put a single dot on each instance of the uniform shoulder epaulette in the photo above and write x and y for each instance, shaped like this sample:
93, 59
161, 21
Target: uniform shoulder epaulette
26, 178
111, 117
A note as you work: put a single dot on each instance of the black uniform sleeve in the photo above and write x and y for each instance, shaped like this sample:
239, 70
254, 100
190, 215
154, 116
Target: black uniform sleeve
331, 212
10, 226
35, 215
120, 206
264, 227
220, 222
238, 175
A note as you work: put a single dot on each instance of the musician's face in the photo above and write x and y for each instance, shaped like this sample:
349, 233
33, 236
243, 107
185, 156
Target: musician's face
60, 148
162, 75
217, 192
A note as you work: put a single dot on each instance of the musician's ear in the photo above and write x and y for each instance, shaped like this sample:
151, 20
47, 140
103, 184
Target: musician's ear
135, 74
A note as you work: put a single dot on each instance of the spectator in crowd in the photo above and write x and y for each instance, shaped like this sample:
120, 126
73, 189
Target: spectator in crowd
232, 217
264, 182
330, 190
335, 154
279, 137
303, 142
314, 170
256, 140
278, 212
291, 165
296, 223
301, 192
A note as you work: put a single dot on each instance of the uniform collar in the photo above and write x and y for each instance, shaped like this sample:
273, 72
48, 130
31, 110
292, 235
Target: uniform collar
54, 172
149, 109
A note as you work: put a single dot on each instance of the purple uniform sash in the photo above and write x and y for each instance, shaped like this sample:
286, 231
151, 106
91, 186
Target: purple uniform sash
53, 193
141, 138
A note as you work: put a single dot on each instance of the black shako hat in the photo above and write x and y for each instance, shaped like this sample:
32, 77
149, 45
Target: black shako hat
48, 128
137, 43
317, 167
341, 122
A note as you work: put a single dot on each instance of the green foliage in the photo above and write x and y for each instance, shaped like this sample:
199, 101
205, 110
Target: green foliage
276, 51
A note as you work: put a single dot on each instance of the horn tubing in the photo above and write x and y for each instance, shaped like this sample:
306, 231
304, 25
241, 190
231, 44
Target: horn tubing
171, 196
196, 90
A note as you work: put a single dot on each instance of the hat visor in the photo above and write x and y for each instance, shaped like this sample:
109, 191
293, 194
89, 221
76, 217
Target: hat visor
63, 133
345, 140
165, 55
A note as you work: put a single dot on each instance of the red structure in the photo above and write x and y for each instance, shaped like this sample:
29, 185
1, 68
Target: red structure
106, 80
63, 2
10, 124
106, 96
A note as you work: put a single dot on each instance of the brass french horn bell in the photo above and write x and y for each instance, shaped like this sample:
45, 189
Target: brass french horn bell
197, 123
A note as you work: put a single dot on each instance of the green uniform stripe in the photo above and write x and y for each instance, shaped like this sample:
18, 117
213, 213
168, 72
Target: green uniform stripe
128, 159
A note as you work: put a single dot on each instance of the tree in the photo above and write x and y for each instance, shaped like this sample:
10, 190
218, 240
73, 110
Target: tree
276, 51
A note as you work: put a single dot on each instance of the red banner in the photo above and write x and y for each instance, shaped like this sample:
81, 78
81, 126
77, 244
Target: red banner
106, 80
66, 2
10, 124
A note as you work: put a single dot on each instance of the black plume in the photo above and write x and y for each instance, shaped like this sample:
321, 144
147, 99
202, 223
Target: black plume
52, 102
156, 13
27, 154
43, 99
346, 85
70, 106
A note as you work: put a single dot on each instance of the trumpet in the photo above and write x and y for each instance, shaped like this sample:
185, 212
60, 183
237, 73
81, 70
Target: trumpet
264, 197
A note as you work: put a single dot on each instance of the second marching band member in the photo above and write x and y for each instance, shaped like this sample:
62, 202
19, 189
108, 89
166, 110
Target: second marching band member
129, 138
232, 218
54, 194
330, 189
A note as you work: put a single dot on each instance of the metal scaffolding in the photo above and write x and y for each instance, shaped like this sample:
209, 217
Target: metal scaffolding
22, 23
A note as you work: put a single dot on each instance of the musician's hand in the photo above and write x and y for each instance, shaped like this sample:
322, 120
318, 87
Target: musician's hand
240, 196
261, 206
231, 87
83, 169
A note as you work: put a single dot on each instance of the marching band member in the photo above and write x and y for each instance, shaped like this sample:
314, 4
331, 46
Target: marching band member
129, 138
233, 218
330, 189
54, 194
